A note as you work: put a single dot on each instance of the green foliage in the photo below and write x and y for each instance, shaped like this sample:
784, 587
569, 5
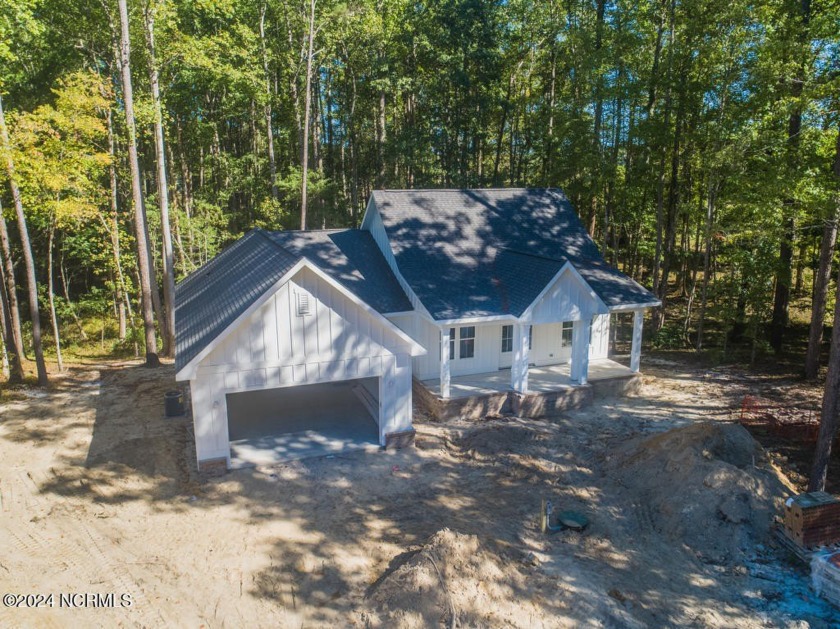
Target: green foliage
669, 336
640, 115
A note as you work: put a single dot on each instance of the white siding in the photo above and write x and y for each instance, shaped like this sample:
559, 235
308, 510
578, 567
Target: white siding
421, 330
488, 338
568, 299
547, 346
600, 346
276, 347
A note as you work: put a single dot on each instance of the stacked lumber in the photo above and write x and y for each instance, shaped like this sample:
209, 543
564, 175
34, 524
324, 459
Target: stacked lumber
825, 576
813, 520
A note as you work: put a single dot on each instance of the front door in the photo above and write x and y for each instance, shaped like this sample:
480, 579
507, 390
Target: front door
505, 341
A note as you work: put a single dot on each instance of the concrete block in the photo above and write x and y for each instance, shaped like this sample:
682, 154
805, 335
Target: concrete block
213, 468
399, 440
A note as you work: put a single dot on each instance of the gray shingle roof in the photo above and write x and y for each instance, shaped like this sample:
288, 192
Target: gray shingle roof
351, 257
211, 298
491, 252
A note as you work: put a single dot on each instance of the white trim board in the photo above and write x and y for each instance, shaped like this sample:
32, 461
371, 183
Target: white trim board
631, 307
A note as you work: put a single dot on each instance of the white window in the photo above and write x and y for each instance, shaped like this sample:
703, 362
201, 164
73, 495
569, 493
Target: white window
467, 342
507, 338
464, 342
566, 334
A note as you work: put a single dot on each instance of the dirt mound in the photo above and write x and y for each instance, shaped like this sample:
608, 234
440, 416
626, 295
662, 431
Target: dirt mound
706, 485
452, 581
509, 437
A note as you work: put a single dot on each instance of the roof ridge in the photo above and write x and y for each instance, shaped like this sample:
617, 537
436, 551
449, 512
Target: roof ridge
277, 245
310, 231
536, 255
211, 264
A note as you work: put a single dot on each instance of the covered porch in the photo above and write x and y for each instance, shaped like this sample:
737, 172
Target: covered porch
540, 379
587, 363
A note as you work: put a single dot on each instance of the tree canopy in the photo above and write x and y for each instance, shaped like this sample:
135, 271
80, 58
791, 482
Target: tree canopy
695, 137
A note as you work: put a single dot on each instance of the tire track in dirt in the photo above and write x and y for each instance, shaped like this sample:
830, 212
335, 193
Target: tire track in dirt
67, 541
79, 550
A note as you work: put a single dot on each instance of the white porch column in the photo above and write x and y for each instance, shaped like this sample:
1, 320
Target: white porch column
580, 349
636, 348
444, 362
521, 355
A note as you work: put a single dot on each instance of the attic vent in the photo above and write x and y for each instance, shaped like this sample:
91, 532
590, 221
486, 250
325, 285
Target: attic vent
303, 304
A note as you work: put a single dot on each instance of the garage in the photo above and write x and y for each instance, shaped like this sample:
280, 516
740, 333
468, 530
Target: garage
285, 362
282, 424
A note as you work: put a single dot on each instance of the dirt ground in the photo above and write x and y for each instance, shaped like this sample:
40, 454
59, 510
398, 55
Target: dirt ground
99, 494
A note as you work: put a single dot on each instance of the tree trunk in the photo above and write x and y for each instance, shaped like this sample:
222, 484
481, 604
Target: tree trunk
113, 229
11, 347
26, 245
781, 298
549, 140
829, 238
304, 160
673, 204
800, 266
381, 138
272, 165
65, 285
707, 255
168, 331
599, 114
830, 411
5, 331
144, 263
812, 358
51, 293
660, 186
11, 288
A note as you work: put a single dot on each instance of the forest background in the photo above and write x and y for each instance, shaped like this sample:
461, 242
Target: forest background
699, 140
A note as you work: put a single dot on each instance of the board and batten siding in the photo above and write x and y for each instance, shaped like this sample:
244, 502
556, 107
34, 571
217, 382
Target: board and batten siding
567, 299
278, 347
426, 334
600, 345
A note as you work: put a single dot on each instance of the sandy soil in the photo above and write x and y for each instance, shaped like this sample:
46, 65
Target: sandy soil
99, 494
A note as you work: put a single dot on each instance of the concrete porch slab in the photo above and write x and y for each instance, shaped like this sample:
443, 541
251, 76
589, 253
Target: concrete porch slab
540, 379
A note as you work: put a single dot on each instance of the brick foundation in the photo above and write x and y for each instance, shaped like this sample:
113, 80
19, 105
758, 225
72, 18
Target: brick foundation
398, 440
533, 405
212, 468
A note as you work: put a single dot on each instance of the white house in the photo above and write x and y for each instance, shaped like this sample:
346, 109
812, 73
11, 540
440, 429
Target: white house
436, 285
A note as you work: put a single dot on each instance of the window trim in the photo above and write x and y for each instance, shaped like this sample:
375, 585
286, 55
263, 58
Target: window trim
567, 326
466, 342
507, 339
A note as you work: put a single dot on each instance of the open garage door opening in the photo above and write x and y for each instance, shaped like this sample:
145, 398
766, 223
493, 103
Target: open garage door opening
275, 425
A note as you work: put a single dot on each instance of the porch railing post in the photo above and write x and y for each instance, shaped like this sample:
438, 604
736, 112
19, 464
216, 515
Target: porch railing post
581, 332
636, 347
521, 356
444, 363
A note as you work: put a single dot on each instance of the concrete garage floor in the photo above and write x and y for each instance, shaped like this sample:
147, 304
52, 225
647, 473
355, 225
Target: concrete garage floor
277, 425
